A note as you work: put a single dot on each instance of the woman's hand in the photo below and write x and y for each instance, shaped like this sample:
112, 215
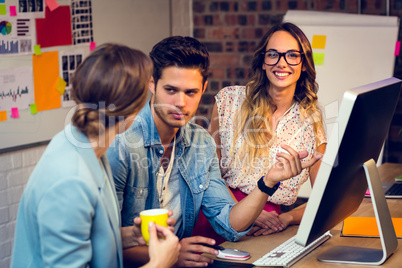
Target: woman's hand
163, 252
269, 223
288, 165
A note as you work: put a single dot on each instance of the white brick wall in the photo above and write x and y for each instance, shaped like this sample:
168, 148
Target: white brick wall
15, 168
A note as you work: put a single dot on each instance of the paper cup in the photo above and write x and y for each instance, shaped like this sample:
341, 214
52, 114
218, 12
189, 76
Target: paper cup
158, 216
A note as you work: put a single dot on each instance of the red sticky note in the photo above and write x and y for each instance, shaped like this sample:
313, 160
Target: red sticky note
52, 4
15, 113
397, 48
55, 28
92, 46
13, 11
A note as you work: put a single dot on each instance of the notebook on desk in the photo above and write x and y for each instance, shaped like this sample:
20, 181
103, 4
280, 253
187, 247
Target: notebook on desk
391, 190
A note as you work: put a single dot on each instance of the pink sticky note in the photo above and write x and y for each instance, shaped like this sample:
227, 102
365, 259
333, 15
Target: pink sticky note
92, 46
397, 48
13, 11
15, 113
52, 4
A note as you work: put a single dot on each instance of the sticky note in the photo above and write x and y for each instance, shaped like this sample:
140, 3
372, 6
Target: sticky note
45, 75
92, 46
15, 113
3, 10
13, 11
397, 48
61, 85
319, 41
34, 110
2, 1
3, 116
37, 50
318, 58
52, 4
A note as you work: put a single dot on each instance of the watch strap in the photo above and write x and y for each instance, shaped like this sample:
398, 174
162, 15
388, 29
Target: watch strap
265, 189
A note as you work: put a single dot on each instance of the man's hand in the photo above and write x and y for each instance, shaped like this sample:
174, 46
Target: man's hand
190, 253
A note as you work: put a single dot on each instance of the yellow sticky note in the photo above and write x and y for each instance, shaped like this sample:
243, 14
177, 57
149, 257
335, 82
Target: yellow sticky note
3, 10
61, 85
34, 110
319, 41
37, 50
3, 116
318, 58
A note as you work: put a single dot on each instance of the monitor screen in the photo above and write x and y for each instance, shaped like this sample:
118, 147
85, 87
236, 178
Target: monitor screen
362, 126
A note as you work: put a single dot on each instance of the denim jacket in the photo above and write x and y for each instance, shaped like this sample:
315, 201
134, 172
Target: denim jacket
135, 157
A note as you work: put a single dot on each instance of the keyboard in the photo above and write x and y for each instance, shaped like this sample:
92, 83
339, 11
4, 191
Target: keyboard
395, 190
289, 252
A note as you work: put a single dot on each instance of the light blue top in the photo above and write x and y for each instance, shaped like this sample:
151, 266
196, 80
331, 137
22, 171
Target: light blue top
67, 215
135, 159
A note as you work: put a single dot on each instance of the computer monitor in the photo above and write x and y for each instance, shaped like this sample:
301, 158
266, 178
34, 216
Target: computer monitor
345, 173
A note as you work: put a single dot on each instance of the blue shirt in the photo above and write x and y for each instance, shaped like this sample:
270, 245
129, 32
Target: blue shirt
67, 213
135, 158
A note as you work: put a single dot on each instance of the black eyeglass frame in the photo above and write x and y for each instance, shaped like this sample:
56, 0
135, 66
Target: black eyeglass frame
283, 54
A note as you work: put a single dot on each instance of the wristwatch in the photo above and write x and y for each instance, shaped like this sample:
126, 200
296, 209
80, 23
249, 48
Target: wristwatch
265, 189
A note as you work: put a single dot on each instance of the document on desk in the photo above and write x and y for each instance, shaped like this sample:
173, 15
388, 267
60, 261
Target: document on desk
367, 227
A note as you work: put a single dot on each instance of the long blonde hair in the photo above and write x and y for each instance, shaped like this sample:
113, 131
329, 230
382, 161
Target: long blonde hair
254, 117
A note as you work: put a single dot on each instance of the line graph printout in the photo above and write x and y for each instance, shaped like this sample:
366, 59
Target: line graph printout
16, 88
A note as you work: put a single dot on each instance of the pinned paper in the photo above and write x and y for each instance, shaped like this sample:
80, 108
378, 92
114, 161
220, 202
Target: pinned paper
61, 85
3, 116
52, 4
46, 74
34, 110
397, 48
319, 41
37, 50
15, 113
55, 28
318, 58
13, 11
3, 10
92, 46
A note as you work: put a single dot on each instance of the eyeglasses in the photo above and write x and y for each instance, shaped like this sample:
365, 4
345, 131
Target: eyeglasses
292, 57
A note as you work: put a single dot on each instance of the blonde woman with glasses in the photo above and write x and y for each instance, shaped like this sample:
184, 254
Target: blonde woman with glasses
276, 113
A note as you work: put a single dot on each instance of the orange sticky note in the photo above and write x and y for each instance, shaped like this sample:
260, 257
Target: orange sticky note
3, 116
319, 41
61, 85
52, 4
92, 46
13, 11
46, 75
15, 113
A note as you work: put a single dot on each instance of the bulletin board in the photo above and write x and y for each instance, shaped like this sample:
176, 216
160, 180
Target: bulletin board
66, 32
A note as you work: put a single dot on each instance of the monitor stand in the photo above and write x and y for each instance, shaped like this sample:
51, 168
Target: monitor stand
389, 242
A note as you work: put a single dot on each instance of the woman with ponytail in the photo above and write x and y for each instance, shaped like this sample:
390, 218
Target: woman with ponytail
68, 214
276, 113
